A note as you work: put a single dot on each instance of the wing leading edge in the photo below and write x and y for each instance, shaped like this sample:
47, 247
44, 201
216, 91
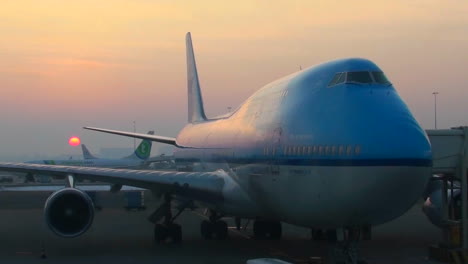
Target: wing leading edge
156, 138
203, 186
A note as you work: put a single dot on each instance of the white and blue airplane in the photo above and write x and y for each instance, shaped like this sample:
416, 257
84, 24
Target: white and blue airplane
332, 147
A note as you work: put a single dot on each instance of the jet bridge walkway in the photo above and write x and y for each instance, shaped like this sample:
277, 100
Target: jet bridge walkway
450, 163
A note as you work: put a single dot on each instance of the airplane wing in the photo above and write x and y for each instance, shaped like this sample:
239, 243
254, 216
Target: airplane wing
202, 186
156, 138
56, 187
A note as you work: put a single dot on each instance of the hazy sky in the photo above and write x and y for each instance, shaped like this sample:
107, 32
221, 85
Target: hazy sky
68, 64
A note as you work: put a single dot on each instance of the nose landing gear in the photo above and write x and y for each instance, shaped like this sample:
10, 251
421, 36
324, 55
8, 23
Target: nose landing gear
344, 249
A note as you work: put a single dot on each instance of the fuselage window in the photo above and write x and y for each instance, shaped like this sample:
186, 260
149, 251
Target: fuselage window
348, 150
327, 150
315, 150
333, 150
357, 150
294, 151
309, 151
304, 150
341, 150
320, 150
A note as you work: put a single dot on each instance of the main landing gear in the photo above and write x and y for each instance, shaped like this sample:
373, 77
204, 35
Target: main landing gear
267, 229
343, 248
214, 227
167, 230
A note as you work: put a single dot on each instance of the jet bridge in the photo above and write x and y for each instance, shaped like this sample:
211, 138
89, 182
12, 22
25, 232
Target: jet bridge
450, 163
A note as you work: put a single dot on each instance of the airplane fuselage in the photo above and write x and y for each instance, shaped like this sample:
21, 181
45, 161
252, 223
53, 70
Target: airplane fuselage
314, 154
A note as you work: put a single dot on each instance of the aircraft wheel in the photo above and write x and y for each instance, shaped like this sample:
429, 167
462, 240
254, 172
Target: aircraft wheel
259, 229
267, 229
275, 230
221, 229
317, 234
175, 232
206, 229
160, 233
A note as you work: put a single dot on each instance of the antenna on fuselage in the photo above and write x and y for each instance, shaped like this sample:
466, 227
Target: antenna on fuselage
196, 113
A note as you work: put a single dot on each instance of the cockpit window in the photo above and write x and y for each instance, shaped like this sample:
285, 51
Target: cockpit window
335, 79
342, 78
380, 78
359, 77
338, 78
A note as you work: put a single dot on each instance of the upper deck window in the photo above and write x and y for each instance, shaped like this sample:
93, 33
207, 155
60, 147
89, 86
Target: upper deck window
359, 77
379, 77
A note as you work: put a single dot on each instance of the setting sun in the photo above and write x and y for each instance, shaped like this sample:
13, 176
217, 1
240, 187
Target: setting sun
74, 141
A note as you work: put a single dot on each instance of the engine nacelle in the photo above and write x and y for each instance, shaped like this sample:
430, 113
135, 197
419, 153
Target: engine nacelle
69, 212
432, 206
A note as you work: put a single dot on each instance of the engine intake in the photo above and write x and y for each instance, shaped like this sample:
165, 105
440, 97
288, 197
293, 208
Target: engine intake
69, 212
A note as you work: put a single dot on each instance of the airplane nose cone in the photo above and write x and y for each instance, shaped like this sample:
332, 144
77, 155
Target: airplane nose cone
385, 127
395, 151
402, 152
402, 142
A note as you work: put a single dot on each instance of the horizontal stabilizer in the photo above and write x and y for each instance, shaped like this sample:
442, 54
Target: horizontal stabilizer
160, 139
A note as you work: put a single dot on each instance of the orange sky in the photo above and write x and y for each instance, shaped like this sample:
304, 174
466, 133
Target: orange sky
65, 64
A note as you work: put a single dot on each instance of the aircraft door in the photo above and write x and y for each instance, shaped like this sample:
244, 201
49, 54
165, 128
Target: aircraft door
275, 152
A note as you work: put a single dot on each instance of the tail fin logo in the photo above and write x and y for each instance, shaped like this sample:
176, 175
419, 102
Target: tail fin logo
144, 149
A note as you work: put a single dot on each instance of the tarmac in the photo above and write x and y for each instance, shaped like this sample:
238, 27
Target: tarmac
121, 236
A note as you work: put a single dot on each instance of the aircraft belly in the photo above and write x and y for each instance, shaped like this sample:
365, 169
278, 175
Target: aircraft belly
320, 196
340, 196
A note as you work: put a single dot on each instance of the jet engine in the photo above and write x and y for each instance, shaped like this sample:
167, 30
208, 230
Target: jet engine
432, 206
69, 212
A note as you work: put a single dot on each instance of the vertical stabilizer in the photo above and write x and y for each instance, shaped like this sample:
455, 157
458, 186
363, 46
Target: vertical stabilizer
143, 151
196, 113
86, 153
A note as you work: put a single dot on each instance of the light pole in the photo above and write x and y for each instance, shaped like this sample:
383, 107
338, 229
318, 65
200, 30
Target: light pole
435, 109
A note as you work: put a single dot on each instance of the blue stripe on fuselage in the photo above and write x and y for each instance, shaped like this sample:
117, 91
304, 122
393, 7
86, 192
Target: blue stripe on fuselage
320, 162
